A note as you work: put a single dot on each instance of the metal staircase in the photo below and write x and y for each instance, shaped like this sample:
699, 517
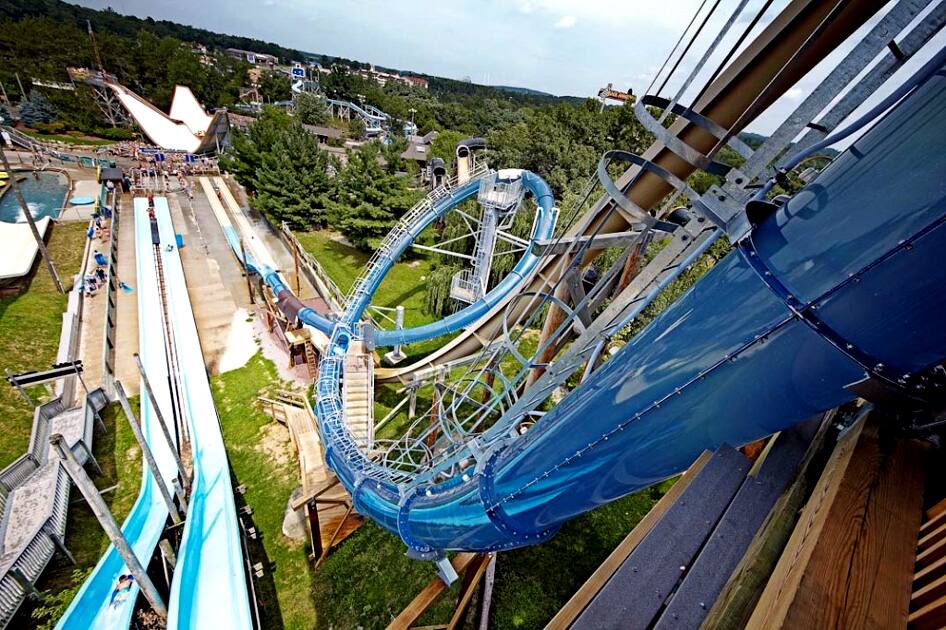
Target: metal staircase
499, 197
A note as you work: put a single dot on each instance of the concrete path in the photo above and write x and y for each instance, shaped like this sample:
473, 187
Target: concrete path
126, 326
215, 285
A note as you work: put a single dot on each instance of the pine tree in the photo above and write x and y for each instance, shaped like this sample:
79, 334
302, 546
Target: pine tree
292, 181
368, 199
36, 110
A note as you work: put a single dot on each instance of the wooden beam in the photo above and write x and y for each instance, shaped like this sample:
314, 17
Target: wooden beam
930, 573
429, 595
931, 538
937, 510
933, 522
474, 573
570, 611
849, 562
929, 593
738, 598
574, 243
932, 616
930, 555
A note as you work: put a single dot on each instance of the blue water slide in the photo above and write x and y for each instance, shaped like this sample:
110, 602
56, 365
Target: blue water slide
543, 229
844, 281
99, 604
210, 566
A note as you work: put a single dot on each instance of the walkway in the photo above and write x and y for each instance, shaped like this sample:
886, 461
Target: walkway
215, 284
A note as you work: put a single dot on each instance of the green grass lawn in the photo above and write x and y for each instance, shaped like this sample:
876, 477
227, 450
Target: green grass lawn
67, 138
120, 458
30, 324
404, 284
267, 466
364, 582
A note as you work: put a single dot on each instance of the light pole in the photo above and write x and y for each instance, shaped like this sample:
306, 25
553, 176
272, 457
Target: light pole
413, 128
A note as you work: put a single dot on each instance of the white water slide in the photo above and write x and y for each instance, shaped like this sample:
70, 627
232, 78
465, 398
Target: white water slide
182, 130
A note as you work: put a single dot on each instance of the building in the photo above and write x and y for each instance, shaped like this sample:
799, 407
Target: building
255, 58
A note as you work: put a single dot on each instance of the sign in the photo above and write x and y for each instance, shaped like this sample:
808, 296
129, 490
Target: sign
298, 71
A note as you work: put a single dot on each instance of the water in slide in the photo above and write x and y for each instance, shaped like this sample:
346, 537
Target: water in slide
104, 600
210, 566
838, 284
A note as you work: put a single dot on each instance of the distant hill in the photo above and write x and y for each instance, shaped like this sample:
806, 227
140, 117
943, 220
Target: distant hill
523, 90
127, 26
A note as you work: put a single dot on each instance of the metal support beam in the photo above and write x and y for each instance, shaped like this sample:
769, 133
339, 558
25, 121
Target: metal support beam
172, 443
58, 543
574, 243
105, 518
146, 451
25, 584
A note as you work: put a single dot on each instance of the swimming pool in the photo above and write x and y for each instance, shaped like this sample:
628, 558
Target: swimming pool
44, 196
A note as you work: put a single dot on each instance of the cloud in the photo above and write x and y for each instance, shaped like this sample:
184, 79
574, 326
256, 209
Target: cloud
794, 94
566, 21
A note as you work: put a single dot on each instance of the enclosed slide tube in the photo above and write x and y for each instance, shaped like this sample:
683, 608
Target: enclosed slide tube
844, 282
210, 566
101, 602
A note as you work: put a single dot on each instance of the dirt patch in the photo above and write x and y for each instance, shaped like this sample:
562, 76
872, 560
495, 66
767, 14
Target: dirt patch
274, 444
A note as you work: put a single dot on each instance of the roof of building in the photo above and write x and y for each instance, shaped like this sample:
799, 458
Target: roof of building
328, 132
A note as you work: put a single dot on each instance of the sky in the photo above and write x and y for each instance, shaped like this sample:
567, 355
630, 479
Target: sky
565, 47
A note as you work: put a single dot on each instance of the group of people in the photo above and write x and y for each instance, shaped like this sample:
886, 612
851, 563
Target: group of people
98, 278
99, 225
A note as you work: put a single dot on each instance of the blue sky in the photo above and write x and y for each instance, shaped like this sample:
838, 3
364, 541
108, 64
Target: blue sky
559, 46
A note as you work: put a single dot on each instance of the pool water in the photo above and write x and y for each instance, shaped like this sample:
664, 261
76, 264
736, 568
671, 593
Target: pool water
44, 197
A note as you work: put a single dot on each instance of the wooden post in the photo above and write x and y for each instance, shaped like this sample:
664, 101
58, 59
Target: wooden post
146, 451
105, 518
315, 529
29, 219
164, 427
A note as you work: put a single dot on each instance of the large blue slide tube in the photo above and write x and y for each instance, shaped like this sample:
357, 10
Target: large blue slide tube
845, 280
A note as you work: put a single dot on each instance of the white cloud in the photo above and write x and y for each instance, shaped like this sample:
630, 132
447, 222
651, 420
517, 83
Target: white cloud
566, 21
794, 94
626, 14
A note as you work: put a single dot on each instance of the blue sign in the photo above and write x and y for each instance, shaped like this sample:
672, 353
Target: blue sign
298, 71
158, 157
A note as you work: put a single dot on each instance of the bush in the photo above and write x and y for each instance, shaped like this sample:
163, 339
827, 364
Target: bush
116, 133
55, 127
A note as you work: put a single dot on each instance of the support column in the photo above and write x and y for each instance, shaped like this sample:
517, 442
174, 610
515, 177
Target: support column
105, 518
146, 451
160, 416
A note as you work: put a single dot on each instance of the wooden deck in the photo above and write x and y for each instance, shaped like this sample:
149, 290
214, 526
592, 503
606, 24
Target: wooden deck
334, 516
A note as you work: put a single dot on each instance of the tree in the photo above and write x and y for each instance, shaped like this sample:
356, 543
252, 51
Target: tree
310, 109
245, 156
292, 182
36, 110
274, 87
6, 118
368, 199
